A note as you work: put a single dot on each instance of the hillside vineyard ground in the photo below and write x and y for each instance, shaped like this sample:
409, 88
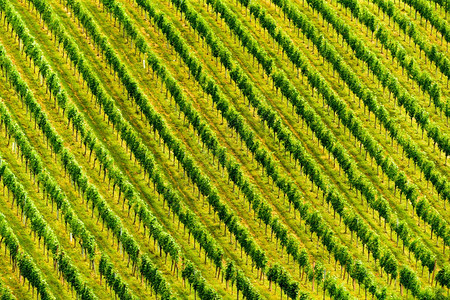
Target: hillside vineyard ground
224, 149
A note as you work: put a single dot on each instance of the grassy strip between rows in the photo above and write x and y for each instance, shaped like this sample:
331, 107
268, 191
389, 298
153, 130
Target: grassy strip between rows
5, 292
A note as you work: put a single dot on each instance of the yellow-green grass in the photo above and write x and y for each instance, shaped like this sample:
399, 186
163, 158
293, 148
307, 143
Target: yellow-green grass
425, 27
